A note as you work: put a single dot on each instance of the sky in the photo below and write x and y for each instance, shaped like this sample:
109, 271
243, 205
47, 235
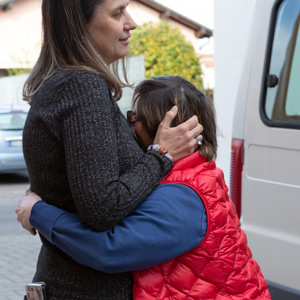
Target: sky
201, 11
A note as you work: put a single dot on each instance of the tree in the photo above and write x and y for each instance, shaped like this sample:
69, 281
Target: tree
166, 52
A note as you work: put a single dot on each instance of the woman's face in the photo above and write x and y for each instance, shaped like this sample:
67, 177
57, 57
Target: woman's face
110, 28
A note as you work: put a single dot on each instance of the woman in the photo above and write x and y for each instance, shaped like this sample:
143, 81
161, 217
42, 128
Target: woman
188, 220
80, 154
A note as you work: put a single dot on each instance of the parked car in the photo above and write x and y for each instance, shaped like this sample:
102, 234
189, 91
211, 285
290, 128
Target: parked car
265, 166
12, 120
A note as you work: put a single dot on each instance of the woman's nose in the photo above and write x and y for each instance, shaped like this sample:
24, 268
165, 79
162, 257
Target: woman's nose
130, 23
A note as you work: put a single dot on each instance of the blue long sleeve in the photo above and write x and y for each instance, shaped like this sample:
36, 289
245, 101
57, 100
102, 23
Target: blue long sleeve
169, 222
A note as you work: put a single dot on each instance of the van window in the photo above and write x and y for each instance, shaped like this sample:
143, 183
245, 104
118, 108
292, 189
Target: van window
282, 85
293, 92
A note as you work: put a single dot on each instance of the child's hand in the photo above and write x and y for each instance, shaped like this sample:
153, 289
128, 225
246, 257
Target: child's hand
24, 208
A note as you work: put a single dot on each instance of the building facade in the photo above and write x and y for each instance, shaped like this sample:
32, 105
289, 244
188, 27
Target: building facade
20, 24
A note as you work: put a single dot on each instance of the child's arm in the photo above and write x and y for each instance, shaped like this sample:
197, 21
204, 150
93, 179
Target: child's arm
169, 222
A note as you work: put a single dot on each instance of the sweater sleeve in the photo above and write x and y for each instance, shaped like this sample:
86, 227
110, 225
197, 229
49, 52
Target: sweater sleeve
103, 194
171, 221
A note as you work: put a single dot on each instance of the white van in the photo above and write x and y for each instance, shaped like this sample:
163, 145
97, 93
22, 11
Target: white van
265, 162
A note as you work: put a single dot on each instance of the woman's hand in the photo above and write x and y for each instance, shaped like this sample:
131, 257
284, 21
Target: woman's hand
180, 141
24, 208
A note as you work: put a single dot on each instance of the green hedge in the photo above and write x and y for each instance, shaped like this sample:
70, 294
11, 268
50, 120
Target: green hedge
166, 52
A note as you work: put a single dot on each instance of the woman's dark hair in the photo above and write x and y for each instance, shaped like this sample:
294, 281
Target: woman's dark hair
154, 97
66, 45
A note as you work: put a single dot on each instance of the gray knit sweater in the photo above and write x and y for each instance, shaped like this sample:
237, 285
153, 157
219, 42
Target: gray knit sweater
82, 157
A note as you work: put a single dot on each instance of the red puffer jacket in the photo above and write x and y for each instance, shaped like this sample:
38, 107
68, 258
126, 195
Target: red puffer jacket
221, 266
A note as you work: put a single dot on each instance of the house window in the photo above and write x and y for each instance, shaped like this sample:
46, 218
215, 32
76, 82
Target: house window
281, 103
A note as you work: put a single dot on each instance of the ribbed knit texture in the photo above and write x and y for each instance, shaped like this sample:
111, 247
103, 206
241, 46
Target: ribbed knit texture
82, 157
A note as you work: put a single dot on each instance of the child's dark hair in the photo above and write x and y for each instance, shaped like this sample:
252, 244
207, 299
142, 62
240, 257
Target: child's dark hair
155, 96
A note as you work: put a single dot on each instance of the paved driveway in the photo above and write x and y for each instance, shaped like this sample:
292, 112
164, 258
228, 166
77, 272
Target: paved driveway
18, 249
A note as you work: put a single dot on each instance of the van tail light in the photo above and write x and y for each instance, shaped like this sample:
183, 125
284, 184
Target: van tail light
236, 168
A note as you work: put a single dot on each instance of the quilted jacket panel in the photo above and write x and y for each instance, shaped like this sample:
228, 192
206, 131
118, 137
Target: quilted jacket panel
221, 266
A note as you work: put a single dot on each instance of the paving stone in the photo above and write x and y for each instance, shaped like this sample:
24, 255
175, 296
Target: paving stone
18, 257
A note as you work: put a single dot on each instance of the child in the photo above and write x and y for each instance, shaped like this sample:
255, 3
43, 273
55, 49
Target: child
220, 264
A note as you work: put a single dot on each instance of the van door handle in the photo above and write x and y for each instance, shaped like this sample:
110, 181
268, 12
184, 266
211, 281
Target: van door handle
272, 80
